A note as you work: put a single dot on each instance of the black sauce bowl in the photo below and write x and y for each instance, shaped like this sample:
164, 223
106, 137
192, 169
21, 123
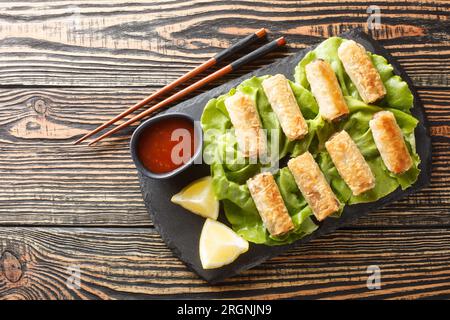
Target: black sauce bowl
198, 144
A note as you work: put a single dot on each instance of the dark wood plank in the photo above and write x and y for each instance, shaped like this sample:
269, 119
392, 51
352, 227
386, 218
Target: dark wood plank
135, 263
141, 43
48, 181
111, 56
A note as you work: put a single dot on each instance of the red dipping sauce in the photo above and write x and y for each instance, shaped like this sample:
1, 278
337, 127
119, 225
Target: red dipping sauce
166, 145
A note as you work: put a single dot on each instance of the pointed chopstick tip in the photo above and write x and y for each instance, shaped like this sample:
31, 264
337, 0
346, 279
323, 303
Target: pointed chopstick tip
79, 140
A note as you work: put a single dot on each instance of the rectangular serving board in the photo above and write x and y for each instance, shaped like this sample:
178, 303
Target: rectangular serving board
180, 229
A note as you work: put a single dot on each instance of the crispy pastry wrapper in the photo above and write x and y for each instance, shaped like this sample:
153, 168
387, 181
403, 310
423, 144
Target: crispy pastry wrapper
244, 116
313, 186
390, 143
361, 71
284, 104
325, 88
350, 163
270, 204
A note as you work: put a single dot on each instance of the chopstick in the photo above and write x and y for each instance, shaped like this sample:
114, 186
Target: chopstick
204, 66
219, 73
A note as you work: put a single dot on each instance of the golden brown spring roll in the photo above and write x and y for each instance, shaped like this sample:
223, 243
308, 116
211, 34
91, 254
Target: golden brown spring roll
361, 71
389, 141
313, 185
285, 106
247, 125
350, 163
325, 88
270, 205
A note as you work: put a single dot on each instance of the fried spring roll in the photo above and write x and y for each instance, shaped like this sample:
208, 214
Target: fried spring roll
389, 141
313, 185
285, 106
361, 71
270, 205
325, 88
350, 163
247, 125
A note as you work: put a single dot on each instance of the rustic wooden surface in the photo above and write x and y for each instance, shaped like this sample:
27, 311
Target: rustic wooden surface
65, 66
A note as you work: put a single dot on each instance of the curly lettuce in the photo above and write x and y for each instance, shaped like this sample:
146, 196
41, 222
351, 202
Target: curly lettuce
230, 176
398, 95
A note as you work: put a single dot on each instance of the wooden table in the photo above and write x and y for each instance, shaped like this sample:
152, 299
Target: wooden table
67, 66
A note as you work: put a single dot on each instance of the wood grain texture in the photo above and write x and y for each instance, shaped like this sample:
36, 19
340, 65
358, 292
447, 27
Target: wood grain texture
149, 43
67, 66
49, 181
135, 263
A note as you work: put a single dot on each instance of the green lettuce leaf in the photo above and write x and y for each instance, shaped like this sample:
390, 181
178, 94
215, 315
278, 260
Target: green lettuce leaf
357, 126
230, 176
398, 95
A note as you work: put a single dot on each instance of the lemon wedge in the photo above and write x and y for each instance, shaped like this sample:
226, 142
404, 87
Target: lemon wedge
219, 245
198, 197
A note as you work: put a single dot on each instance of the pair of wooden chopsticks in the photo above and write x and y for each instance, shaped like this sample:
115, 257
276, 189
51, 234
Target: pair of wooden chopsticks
219, 73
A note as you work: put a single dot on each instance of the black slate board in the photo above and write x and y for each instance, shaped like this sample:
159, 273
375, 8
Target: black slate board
181, 229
